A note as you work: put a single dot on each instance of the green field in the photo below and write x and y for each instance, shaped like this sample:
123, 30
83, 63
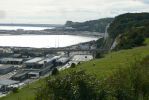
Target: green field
103, 68
26, 93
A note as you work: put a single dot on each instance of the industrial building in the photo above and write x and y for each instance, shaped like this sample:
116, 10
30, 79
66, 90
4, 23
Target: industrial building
35, 68
4, 69
14, 61
33, 63
5, 83
20, 76
39, 63
39, 66
62, 61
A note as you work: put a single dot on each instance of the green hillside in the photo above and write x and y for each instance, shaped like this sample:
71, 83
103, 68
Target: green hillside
114, 60
103, 69
130, 21
129, 30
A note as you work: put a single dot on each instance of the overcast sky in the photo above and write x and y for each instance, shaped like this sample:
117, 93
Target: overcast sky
59, 11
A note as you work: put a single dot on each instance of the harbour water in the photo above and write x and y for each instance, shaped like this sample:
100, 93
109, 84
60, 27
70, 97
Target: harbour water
40, 41
43, 41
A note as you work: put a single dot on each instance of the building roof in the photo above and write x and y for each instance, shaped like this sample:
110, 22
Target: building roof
7, 82
5, 66
21, 73
34, 60
11, 59
63, 59
16, 55
34, 72
40, 60
49, 59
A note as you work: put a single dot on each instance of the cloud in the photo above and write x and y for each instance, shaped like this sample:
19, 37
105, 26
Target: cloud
2, 14
59, 11
145, 1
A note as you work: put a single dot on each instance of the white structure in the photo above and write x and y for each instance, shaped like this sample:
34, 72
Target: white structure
80, 58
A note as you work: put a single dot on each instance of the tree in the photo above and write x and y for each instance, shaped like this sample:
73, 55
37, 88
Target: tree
55, 71
73, 65
15, 90
98, 55
132, 38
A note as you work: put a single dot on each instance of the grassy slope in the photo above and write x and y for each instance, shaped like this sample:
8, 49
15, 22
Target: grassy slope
102, 69
114, 60
26, 93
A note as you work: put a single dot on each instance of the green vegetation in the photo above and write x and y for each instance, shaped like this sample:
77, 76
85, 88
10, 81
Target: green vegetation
129, 83
73, 86
15, 90
55, 71
73, 65
92, 26
125, 22
25, 93
102, 70
130, 30
130, 39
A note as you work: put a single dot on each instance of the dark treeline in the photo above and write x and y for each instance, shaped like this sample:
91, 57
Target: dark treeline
92, 26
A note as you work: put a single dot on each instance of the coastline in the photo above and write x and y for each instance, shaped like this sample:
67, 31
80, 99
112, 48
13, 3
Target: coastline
50, 32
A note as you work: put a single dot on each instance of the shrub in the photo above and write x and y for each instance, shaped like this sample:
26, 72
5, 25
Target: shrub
99, 55
130, 39
55, 71
76, 85
73, 65
130, 83
15, 90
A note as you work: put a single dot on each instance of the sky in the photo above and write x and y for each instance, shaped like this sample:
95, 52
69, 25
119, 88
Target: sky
59, 11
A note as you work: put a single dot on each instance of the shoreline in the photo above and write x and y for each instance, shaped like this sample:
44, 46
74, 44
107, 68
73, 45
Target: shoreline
50, 32
83, 35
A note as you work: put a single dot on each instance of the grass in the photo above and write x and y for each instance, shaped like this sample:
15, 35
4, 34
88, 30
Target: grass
114, 60
26, 93
103, 68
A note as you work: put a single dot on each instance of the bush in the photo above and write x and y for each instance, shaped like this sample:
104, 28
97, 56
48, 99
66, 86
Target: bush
131, 83
130, 40
99, 55
76, 85
73, 65
15, 90
55, 71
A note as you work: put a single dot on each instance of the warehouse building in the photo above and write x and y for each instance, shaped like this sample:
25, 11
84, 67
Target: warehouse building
14, 61
33, 63
62, 61
5, 83
4, 69
39, 62
20, 76
35, 68
39, 72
